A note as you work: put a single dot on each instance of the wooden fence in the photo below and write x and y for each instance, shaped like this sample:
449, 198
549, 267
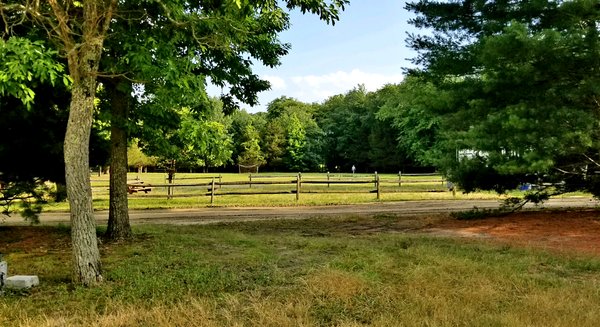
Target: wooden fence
257, 184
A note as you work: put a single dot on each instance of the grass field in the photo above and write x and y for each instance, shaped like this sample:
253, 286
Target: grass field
412, 188
327, 272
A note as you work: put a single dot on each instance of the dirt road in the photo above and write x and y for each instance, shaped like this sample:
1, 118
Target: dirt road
220, 214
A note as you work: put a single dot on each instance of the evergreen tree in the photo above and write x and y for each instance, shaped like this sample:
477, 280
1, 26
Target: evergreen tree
521, 83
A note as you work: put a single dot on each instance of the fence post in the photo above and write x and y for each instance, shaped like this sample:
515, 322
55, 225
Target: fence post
220, 179
171, 180
212, 191
375, 180
250, 176
377, 185
400, 178
327, 179
298, 186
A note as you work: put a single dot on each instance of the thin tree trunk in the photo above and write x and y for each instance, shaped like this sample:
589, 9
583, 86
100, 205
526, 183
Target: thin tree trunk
86, 256
83, 50
118, 217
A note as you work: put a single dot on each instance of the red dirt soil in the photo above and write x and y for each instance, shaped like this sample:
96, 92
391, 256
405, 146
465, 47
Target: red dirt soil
33, 239
560, 231
576, 232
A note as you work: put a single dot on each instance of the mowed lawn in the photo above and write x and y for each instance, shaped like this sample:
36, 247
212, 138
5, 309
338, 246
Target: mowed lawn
196, 190
315, 272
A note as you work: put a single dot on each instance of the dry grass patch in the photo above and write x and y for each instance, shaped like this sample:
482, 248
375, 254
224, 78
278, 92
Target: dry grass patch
316, 272
335, 284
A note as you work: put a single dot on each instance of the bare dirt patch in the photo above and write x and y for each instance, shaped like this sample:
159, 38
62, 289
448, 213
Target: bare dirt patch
558, 231
568, 231
33, 239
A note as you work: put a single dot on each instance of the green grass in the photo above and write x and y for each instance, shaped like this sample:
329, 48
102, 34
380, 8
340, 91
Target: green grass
412, 188
327, 272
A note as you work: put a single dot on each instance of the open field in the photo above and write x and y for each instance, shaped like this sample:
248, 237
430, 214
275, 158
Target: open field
383, 270
197, 192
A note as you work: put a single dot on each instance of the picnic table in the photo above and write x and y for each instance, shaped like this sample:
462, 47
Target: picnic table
137, 186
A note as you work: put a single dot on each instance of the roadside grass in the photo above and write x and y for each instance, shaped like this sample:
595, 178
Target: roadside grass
351, 271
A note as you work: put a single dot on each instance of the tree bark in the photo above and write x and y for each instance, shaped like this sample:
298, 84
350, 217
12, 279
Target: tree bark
83, 49
86, 256
119, 228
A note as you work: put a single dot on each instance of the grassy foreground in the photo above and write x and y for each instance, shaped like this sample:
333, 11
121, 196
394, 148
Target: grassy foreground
326, 272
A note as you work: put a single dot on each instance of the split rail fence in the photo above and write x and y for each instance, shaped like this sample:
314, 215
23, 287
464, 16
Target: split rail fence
261, 184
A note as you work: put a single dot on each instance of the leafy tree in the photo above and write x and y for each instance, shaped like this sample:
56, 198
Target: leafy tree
355, 136
206, 143
406, 106
172, 47
342, 118
33, 131
80, 29
521, 82
295, 144
241, 120
251, 153
291, 137
137, 158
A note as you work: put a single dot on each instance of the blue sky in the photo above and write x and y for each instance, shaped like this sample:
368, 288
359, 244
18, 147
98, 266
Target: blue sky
367, 46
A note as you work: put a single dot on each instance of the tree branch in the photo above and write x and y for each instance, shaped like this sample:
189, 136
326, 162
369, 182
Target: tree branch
591, 160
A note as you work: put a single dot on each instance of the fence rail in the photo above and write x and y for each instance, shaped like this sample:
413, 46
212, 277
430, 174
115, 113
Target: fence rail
287, 184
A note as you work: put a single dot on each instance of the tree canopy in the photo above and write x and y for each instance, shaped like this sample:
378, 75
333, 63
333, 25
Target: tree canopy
78, 31
521, 90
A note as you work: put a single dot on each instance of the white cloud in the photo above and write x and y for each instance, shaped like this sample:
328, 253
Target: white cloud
277, 83
312, 88
317, 88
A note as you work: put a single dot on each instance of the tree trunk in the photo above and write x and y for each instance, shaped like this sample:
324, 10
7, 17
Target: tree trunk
83, 49
118, 217
86, 257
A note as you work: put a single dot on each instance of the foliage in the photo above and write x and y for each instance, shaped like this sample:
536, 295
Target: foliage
251, 153
407, 107
520, 81
137, 158
291, 137
32, 132
25, 64
355, 136
206, 142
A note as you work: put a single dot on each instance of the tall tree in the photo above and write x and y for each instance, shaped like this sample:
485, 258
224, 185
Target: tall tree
30, 68
406, 107
171, 47
355, 136
291, 138
251, 153
522, 84
79, 30
206, 142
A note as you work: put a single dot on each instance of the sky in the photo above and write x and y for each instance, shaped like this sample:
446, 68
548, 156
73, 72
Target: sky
366, 46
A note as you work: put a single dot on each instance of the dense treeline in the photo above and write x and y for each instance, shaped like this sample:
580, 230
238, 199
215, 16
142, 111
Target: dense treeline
358, 129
